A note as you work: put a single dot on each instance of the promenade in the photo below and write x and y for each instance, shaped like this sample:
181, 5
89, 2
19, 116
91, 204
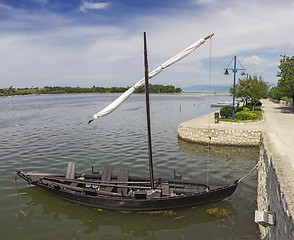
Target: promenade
276, 169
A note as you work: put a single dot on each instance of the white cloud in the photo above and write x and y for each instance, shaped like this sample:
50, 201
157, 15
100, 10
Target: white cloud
59, 51
5, 7
253, 60
41, 1
93, 6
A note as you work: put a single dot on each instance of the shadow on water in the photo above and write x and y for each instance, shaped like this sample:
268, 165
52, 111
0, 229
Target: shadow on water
225, 152
134, 223
230, 162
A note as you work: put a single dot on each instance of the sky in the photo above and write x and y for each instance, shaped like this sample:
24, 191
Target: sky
90, 42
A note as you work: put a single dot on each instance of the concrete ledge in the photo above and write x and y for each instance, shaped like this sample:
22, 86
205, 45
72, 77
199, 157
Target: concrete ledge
236, 137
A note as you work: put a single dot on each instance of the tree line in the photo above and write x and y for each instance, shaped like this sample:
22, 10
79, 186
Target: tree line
156, 88
285, 87
254, 88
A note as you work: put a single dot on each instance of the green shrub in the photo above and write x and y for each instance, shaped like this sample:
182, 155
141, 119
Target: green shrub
238, 109
226, 112
246, 115
289, 100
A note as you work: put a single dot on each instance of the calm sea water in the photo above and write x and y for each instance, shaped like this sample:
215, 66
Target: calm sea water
43, 133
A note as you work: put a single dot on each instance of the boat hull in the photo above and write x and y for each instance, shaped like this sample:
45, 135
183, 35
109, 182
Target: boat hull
147, 204
125, 203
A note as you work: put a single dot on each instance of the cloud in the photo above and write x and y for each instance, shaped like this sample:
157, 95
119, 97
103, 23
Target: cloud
5, 7
41, 1
253, 60
93, 6
50, 48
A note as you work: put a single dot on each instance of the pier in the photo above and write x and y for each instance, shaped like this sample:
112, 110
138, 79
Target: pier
275, 137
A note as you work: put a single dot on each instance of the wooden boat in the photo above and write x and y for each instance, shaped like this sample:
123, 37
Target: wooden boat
132, 193
126, 192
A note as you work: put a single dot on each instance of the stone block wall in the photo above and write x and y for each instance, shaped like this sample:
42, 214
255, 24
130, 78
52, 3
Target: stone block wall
235, 137
270, 196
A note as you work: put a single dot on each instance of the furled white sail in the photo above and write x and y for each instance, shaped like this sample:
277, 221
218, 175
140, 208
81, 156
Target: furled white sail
115, 104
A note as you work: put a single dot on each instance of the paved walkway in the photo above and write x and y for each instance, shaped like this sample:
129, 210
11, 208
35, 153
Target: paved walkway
278, 123
278, 130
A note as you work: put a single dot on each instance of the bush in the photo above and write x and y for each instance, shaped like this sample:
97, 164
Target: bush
246, 115
226, 112
289, 100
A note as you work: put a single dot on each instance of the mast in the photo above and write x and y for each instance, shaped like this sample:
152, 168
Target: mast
148, 113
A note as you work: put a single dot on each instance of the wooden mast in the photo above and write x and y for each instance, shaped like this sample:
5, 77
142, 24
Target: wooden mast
148, 113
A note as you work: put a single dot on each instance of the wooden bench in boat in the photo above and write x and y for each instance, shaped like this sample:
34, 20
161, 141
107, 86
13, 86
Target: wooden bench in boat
123, 176
106, 176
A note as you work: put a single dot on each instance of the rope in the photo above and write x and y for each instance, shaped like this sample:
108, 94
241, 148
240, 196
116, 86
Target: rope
209, 94
241, 179
87, 143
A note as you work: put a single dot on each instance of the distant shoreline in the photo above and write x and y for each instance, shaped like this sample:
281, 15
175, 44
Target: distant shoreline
12, 91
215, 93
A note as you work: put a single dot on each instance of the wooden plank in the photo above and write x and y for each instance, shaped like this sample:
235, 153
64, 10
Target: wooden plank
70, 172
165, 189
123, 176
106, 176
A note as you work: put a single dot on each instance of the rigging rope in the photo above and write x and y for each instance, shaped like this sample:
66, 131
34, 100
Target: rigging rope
241, 179
209, 96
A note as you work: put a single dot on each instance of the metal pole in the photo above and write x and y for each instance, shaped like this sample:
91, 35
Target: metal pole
233, 110
148, 112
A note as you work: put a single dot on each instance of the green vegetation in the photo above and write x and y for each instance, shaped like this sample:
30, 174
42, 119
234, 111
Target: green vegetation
241, 113
11, 91
285, 88
252, 88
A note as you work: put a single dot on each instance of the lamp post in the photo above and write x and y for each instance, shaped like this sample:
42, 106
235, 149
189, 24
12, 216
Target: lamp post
235, 69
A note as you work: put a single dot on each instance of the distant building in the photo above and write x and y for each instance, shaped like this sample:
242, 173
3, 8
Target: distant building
8, 88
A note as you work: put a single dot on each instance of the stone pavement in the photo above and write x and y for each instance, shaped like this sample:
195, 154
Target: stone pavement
204, 130
279, 121
277, 132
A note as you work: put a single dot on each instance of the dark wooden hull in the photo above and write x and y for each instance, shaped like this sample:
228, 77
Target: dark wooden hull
147, 204
116, 201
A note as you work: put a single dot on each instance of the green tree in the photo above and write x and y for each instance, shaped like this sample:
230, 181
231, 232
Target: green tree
286, 75
252, 87
259, 89
275, 93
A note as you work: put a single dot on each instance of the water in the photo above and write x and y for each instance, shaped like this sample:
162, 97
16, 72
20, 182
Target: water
43, 133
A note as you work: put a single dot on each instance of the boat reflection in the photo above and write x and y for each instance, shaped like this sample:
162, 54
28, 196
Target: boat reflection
39, 202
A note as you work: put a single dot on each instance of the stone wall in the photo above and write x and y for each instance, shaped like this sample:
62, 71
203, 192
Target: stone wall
235, 137
270, 194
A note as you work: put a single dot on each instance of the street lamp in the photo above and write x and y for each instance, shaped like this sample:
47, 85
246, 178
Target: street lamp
235, 69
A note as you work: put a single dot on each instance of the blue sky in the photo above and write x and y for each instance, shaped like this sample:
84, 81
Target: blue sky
90, 42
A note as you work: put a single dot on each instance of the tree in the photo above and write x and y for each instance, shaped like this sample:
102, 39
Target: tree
286, 75
275, 93
259, 90
252, 87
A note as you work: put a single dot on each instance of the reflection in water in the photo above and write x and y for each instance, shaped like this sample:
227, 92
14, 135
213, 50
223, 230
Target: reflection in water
225, 152
128, 222
235, 161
